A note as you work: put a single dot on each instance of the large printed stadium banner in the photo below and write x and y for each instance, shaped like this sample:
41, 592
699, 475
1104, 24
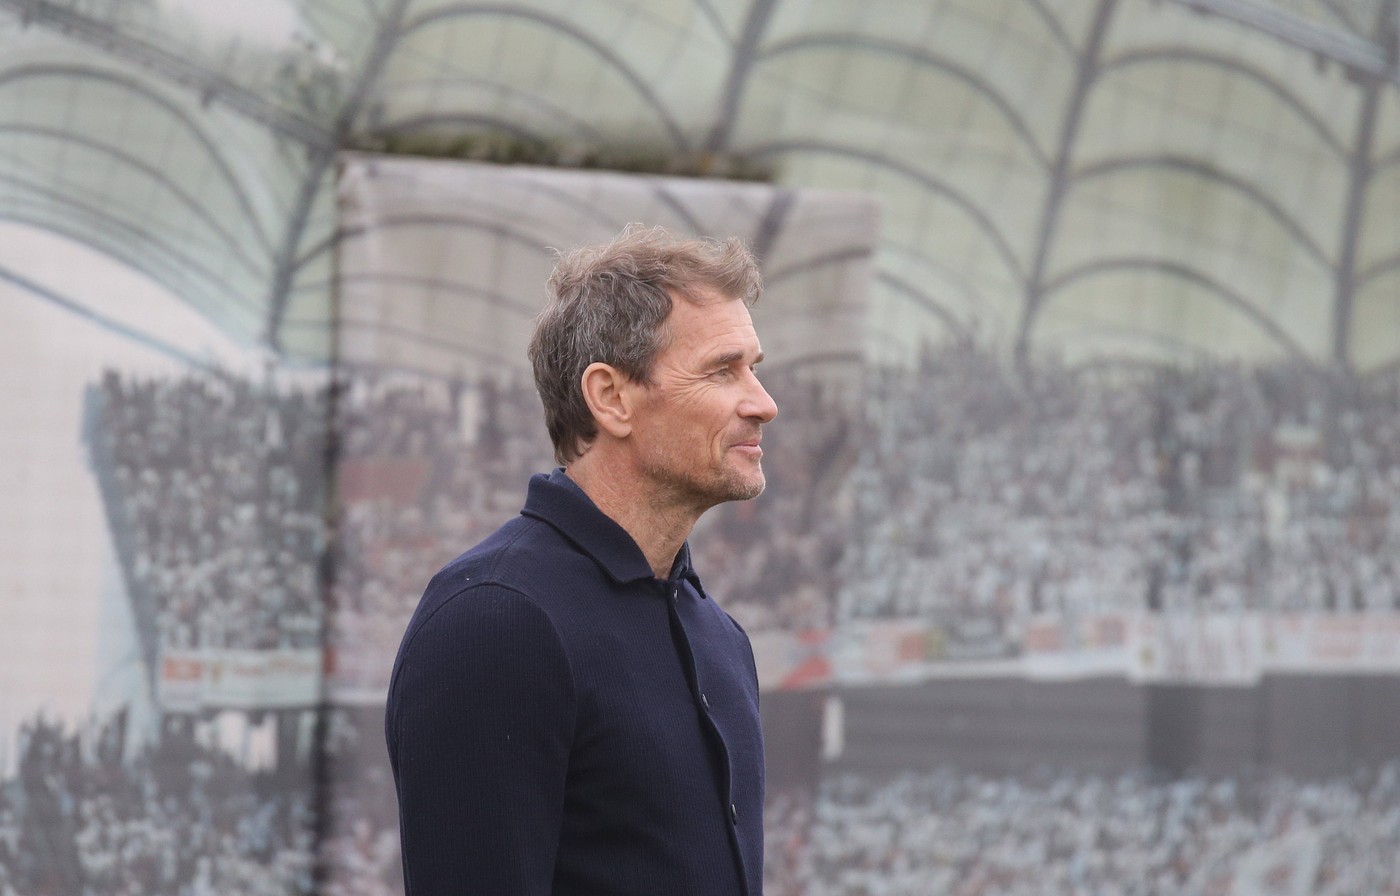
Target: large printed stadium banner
959, 563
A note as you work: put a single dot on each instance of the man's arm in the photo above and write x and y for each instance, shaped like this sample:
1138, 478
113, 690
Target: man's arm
479, 724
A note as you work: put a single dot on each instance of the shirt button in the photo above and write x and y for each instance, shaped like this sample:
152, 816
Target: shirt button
675, 594
733, 813
705, 701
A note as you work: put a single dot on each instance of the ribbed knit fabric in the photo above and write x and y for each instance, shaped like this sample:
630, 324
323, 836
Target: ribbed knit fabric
562, 722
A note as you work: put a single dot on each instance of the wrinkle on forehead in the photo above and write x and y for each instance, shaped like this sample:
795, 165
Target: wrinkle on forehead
704, 354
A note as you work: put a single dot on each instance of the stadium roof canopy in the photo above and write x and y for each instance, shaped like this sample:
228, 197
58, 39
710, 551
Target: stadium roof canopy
1119, 180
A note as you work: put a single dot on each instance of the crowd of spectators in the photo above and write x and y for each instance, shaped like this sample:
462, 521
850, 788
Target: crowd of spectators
217, 487
429, 467
1043, 833
358, 852
217, 490
187, 820
960, 492
969, 835
179, 819
787, 831
985, 495
221, 486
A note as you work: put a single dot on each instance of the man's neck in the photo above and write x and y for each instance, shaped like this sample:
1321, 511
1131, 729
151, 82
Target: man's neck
657, 529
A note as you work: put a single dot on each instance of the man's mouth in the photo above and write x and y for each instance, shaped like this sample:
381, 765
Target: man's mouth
749, 447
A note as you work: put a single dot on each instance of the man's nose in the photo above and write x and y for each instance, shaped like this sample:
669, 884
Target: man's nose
758, 403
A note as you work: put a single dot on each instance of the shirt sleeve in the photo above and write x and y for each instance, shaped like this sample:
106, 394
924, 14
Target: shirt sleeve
479, 724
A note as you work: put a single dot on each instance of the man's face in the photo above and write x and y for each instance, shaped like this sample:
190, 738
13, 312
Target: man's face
696, 430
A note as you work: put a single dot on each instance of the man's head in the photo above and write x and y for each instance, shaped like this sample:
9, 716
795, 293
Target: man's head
649, 338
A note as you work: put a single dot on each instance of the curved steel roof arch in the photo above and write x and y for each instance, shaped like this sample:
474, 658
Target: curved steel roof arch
351, 367
1207, 171
470, 347
1054, 26
590, 210
922, 59
152, 173
924, 301
111, 224
969, 290
555, 23
928, 182
139, 263
441, 285
1184, 272
178, 57
138, 89
543, 106
1234, 66
1379, 270
142, 265
681, 210
815, 262
1391, 158
544, 186
1338, 13
890, 343
73, 307
345, 234
713, 17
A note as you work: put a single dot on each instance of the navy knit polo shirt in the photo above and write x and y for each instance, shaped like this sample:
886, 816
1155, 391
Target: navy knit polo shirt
560, 721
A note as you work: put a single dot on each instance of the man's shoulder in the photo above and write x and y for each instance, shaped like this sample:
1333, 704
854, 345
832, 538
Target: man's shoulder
527, 559
523, 555
498, 580
484, 560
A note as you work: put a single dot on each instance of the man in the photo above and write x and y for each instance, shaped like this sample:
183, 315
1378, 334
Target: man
570, 713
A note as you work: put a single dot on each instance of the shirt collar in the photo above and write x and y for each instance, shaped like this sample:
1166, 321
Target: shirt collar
558, 500
682, 569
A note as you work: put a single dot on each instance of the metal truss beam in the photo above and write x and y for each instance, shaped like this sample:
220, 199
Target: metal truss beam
211, 86
1344, 47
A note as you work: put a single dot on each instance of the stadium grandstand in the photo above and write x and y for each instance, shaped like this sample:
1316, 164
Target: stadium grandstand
1078, 567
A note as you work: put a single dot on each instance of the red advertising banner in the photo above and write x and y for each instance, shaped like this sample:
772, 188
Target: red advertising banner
283, 678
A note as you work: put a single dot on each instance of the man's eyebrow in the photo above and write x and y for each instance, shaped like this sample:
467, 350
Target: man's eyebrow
728, 358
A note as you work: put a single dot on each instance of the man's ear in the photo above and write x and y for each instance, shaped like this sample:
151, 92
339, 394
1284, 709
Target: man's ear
605, 390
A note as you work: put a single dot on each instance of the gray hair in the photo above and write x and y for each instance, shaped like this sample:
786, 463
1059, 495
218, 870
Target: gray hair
609, 303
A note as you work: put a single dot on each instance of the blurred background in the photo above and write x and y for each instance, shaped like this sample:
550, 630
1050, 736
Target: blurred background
1079, 569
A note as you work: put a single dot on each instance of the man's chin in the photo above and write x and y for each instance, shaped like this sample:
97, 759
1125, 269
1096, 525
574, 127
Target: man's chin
748, 487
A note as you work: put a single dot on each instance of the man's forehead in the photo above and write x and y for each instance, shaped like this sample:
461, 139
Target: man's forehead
715, 328
715, 310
